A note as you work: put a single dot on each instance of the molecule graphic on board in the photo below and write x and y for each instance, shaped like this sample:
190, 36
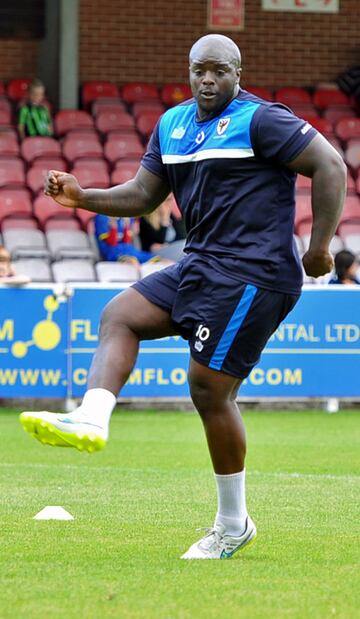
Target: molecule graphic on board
46, 334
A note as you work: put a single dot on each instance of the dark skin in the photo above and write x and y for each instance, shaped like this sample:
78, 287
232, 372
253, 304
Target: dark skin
130, 318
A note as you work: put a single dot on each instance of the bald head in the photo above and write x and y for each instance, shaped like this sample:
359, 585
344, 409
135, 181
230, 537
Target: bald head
214, 73
216, 45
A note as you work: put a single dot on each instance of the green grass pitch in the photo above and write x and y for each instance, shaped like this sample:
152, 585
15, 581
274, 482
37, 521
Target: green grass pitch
138, 503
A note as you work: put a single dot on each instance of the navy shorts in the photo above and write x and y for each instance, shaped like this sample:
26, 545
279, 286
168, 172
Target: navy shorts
227, 322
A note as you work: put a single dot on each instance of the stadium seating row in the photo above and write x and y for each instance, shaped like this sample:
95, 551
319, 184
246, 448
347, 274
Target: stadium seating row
341, 123
18, 202
82, 270
63, 237
174, 93
75, 264
107, 121
100, 172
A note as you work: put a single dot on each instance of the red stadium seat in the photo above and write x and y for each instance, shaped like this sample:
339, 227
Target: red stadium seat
304, 110
338, 112
91, 177
36, 174
303, 184
126, 162
141, 107
51, 163
35, 178
138, 91
348, 228
9, 146
348, 128
260, 91
15, 202
93, 163
290, 95
5, 111
303, 209
107, 104
62, 223
321, 124
351, 209
146, 122
85, 217
110, 121
352, 154
172, 94
84, 132
5, 104
2, 89
126, 146
124, 171
351, 185
65, 120
12, 172
45, 208
22, 221
17, 89
96, 89
8, 129
324, 97
82, 146
5, 117
34, 147
119, 134
303, 229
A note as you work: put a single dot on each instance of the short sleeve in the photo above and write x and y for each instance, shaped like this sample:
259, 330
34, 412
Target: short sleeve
152, 159
23, 115
278, 134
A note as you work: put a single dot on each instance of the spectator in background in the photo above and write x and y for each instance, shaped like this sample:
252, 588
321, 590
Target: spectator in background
7, 271
160, 227
34, 116
115, 239
346, 267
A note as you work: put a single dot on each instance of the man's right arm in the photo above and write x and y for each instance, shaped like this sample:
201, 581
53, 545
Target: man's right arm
138, 196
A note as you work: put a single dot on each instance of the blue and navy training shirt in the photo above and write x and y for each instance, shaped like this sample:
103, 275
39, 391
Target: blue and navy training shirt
229, 179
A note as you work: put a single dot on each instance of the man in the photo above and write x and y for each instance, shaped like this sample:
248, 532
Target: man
230, 159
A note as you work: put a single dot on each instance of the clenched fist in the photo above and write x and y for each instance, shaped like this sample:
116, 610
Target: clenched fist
317, 263
64, 189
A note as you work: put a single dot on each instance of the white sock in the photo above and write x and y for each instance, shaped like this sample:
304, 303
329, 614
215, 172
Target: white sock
232, 511
97, 406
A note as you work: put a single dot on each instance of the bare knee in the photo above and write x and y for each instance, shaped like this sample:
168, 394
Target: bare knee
201, 396
212, 392
113, 319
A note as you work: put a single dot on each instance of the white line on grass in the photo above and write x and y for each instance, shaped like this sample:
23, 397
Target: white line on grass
40, 465
304, 475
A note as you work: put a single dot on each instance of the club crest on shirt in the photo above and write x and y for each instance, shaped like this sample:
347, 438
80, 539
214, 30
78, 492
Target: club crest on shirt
200, 137
222, 125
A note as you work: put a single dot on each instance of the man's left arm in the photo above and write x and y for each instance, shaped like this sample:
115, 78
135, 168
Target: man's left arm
320, 161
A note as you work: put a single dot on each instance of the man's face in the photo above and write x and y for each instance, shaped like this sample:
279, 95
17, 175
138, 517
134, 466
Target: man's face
214, 79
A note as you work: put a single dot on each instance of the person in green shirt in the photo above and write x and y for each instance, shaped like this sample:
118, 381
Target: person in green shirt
34, 116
